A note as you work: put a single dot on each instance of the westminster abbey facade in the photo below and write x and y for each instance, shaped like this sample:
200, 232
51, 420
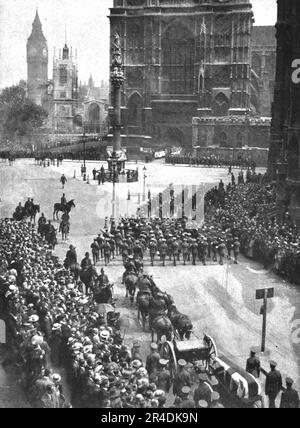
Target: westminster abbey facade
186, 59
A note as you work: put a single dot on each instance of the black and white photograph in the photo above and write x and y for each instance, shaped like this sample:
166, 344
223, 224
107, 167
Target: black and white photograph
149, 207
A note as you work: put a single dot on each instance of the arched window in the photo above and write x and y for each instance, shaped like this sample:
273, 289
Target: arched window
94, 113
221, 105
135, 110
223, 139
293, 157
178, 60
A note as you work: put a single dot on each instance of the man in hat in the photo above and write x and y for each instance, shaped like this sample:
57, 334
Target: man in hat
194, 250
152, 362
163, 376
163, 251
71, 256
175, 251
107, 252
203, 391
86, 262
290, 397
215, 401
253, 365
95, 251
187, 403
182, 378
153, 250
273, 384
185, 250
63, 180
63, 200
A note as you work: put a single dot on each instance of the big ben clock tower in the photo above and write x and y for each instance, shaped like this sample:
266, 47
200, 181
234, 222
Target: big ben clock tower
37, 61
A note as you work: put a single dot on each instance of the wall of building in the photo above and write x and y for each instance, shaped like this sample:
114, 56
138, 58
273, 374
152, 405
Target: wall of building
181, 58
234, 131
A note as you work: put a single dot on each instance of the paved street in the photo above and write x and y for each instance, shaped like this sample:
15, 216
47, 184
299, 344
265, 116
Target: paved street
220, 300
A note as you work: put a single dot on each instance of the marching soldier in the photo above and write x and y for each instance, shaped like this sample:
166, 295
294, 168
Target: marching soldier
221, 250
273, 384
290, 397
100, 241
187, 403
152, 362
125, 251
153, 251
253, 365
95, 251
185, 250
107, 252
182, 378
163, 251
194, 251
163, 377
175, 250
203, 391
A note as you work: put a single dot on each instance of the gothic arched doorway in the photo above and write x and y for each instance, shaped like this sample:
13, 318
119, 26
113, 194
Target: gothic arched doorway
221, 105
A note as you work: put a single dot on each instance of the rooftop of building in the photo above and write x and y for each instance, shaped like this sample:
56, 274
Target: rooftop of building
264, 35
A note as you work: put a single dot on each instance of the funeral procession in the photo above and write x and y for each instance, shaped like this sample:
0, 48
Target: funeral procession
150, 206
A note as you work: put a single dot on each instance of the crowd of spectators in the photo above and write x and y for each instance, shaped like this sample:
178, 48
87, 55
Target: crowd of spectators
53, 325
209, 161
249, 211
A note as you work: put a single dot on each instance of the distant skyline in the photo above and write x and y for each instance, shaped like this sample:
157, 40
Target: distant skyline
87, 31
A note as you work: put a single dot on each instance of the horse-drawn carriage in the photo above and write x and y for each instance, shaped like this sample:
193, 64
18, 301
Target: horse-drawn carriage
236, 386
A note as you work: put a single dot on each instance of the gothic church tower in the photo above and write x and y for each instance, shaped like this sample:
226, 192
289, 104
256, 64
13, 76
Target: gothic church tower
37, 63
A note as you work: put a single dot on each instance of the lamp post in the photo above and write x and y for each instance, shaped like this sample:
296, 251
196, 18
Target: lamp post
84, 156
114, 164
117, 79
144, 184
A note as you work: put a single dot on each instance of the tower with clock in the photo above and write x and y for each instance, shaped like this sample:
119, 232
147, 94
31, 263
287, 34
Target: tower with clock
37, 63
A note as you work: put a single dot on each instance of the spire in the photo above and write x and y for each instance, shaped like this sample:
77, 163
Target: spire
91, 82
37, 32
37, 22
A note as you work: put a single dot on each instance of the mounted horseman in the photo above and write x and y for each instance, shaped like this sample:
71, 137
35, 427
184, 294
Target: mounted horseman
130, 278
63, 208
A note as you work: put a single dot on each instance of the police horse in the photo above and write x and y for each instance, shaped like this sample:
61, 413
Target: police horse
63, 208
